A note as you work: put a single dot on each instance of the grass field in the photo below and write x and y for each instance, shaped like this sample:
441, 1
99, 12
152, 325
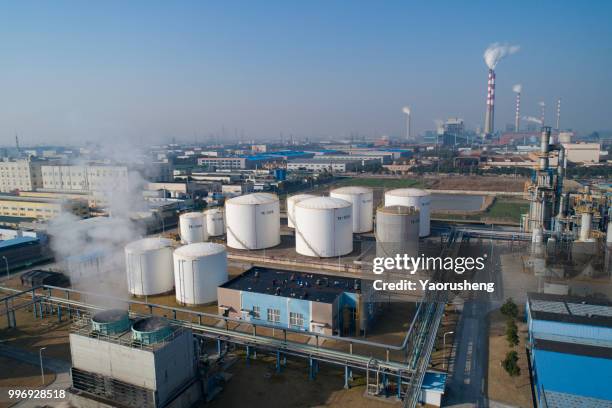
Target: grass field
379, 182
502, 209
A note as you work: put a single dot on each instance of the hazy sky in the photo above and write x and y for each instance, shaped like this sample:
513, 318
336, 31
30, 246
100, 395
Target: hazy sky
147, 71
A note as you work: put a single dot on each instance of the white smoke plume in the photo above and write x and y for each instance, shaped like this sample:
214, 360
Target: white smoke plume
496, 52
91, 251
532, 119
518, 88
542, 104
406, 110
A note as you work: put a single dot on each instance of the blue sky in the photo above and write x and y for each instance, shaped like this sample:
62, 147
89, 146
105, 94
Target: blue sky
148, 71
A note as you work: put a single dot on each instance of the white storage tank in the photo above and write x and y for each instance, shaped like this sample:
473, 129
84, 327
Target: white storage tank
323, 227
412, 197
362, 199
253, 221
397, 231
215, 221
291, 201
192, 227
149, 266
198, 270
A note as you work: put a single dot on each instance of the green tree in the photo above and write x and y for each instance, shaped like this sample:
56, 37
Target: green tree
510, 364
510, 309
512, 333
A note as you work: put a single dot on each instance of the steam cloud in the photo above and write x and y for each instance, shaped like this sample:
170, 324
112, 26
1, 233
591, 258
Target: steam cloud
542, 104
406, 110
518, 88
92, 250
532, 119
496, 52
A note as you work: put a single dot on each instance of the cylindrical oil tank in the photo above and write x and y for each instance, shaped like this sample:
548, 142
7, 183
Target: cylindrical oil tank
323, 227
198, 270
111, 321
149, 266
362, 199
412, 197
397, 231
215, 221
253, 221
192, 226
291, 201
151, 330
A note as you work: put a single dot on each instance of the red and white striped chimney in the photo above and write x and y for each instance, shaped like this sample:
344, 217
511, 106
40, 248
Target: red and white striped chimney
558, 113
489, 125
517, 114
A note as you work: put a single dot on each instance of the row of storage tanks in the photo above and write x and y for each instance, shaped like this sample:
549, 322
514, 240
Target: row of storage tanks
323, 228
323, 225
195, 270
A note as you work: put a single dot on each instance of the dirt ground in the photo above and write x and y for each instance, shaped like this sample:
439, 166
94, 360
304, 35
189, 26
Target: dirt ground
260, 385
477, 183
502, 387
20, 376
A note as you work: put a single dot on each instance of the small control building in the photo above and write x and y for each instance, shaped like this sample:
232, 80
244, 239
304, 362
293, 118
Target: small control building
299, 300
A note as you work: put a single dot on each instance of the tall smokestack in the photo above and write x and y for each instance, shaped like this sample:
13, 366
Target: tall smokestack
492, 55
542, 113
490, 113
517, 116
558, 114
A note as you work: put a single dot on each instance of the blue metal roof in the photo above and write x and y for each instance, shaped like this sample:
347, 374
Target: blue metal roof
16, 241
434, 381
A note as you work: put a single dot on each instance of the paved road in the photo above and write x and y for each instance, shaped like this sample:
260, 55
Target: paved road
468, 372
60, 367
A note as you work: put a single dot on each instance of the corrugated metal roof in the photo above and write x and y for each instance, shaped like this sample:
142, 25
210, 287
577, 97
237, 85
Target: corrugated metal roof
17, 241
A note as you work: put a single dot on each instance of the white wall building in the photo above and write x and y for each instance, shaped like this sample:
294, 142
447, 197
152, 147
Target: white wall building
21, 174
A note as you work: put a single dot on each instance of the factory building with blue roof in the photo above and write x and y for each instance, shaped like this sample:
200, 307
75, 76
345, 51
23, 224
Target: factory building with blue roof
570, 341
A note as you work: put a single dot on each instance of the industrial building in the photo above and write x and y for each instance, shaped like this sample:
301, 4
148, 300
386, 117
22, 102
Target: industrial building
240, 162
85, 178
41, 209
570, 342
20, 174
22, 252
300, 300
118, 361
324, 164
582, 152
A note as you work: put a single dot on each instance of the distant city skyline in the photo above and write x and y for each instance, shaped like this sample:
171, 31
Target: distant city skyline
74, 72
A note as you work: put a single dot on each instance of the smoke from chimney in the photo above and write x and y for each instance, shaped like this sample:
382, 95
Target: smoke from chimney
406, 110
533, 119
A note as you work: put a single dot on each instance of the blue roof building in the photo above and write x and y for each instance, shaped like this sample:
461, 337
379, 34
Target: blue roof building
570, 339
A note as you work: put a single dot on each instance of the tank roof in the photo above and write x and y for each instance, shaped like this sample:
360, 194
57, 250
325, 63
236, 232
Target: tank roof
398, 210
199, 249
192, 215
254, 198
214, 210
408, 192
149, 244
299, 197
323, 203
352, 190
